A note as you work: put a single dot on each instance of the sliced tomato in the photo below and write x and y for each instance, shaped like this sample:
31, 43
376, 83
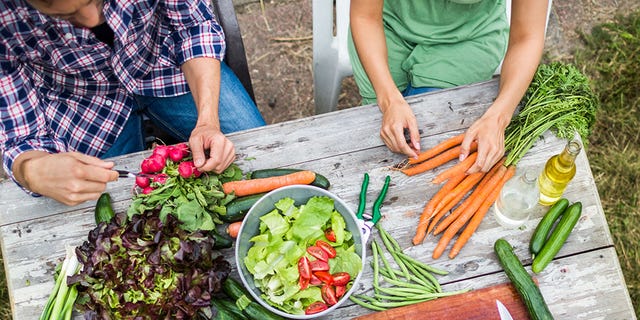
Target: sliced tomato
316, 307
318, 253
330, 235
304, 268
303, 282
328, 294
329, 249
341, 278
318, 265
314, 281
324, 277
340, 291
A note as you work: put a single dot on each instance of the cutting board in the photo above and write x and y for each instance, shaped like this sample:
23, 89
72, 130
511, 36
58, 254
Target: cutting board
476, 304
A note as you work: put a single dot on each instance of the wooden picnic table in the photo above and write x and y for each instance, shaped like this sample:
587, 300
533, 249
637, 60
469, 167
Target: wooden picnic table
583, 282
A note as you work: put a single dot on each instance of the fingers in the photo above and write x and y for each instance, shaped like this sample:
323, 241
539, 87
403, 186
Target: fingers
221, 151
196, 145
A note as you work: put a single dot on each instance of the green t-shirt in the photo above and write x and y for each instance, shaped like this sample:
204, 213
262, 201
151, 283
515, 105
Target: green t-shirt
439, 43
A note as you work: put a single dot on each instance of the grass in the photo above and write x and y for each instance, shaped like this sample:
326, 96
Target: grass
610, 58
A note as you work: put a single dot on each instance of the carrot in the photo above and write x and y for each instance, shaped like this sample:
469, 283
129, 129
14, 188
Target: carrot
234, 228
447, 221
475, 199
438, 149
479, 215
428, 211
254, 186
434, 162
461, 166
465, 185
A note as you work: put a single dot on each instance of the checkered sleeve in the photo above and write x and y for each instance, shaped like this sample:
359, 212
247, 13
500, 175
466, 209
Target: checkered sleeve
196, 32
22, 126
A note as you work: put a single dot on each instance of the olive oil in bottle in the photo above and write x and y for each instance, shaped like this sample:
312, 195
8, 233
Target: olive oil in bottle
557, 173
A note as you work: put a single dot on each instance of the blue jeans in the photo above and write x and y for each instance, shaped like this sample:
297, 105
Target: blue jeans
177, 115
410, 91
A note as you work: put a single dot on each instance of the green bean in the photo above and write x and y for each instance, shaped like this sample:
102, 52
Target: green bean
376, 266
425, 280
365, 305
412, 277
423, 265
384, 259
386, 234
399, 303
401, 291
408, 285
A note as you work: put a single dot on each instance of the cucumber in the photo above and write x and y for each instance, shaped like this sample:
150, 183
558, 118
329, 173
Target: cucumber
522, 281
221, 240
543, 229
238, 207
227, 311
320, 181
250, 308
104, 211
558, 237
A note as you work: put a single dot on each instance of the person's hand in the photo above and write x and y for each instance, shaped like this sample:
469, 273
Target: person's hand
395, 119
209, 139
488, 132
69, 177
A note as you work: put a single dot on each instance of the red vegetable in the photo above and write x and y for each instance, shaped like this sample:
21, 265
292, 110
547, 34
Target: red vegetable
341, 278
329, 249
318, 253
340, 291
314, 281
319, 265
330, 235
316, 307
303, 282
328, 294
142, 181
304, 268
324, 277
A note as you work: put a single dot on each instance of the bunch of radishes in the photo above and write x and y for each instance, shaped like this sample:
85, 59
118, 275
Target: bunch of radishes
161, 166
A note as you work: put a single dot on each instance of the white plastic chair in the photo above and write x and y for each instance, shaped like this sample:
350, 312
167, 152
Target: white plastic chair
330, 55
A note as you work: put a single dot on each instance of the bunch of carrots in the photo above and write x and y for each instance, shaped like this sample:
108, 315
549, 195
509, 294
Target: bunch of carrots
559, 99
483, 189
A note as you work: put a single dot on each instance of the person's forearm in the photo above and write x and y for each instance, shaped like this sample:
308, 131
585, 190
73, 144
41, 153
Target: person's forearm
203, 77
368, 37
526, 42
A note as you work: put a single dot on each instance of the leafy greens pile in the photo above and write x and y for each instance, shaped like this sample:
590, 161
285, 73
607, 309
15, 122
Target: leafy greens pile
285, 233
196, 200
560, 99
147, 269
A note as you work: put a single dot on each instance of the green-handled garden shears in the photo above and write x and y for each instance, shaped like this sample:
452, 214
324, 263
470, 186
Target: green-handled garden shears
366, 221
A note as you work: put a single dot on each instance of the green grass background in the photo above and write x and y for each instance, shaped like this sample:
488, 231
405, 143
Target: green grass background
611, 59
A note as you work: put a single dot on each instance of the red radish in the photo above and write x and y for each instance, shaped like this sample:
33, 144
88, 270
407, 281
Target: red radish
147, 190
175, 154
186, 169
142, 181
162, 151
161, 178
144, 166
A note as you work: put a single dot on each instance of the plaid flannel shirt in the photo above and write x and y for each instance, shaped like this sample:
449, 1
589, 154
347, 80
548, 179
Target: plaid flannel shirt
64, 90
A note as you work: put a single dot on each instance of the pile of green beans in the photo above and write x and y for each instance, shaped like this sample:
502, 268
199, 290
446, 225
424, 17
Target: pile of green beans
413, 282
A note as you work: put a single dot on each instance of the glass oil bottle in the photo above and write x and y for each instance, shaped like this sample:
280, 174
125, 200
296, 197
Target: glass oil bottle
557, 173
517, 199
